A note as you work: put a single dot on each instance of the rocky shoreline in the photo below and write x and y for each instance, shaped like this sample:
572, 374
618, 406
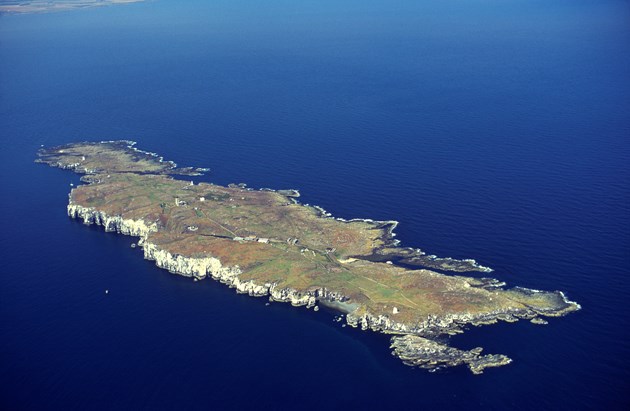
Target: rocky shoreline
413, 345
428, 354
295, 253
197, 267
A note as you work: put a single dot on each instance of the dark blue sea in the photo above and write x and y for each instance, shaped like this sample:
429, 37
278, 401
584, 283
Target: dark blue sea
491, 129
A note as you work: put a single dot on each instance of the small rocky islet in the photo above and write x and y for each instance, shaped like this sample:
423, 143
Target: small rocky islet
266, 243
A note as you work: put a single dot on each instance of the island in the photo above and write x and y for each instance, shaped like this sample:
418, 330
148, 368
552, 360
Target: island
266, 243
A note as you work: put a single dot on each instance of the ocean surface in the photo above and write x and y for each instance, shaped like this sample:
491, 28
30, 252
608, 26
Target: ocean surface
491, 129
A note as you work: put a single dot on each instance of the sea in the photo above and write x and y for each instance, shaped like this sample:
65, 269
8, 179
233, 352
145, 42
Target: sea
497, 130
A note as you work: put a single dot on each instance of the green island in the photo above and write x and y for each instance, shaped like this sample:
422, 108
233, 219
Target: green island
266, 243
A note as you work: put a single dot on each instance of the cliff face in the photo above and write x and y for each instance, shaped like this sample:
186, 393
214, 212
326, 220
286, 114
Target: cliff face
198, 267
136, 228
202, 267
408, 343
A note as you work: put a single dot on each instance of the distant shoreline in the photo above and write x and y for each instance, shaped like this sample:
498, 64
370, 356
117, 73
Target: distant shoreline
29, 7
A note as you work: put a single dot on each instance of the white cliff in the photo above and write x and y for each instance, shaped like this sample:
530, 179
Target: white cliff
89, 215
198, 267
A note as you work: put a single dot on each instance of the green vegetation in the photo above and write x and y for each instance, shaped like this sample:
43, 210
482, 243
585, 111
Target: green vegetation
275, 240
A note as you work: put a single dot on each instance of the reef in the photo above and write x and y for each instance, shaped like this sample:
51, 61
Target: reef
266, 243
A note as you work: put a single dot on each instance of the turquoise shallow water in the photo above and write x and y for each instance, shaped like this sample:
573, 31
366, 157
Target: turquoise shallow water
491, 130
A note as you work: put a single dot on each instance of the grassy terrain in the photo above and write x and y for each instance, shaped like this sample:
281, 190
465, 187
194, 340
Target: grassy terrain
276, 240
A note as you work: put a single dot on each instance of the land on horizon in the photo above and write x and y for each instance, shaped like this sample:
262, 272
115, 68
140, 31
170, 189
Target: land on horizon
42, 6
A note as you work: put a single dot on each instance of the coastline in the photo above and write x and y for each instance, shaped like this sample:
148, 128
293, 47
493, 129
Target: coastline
121, 168
414, 346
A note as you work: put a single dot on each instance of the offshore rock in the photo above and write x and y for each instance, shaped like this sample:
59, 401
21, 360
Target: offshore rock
421, 352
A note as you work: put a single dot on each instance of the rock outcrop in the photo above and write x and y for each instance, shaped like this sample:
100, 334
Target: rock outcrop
429, 354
